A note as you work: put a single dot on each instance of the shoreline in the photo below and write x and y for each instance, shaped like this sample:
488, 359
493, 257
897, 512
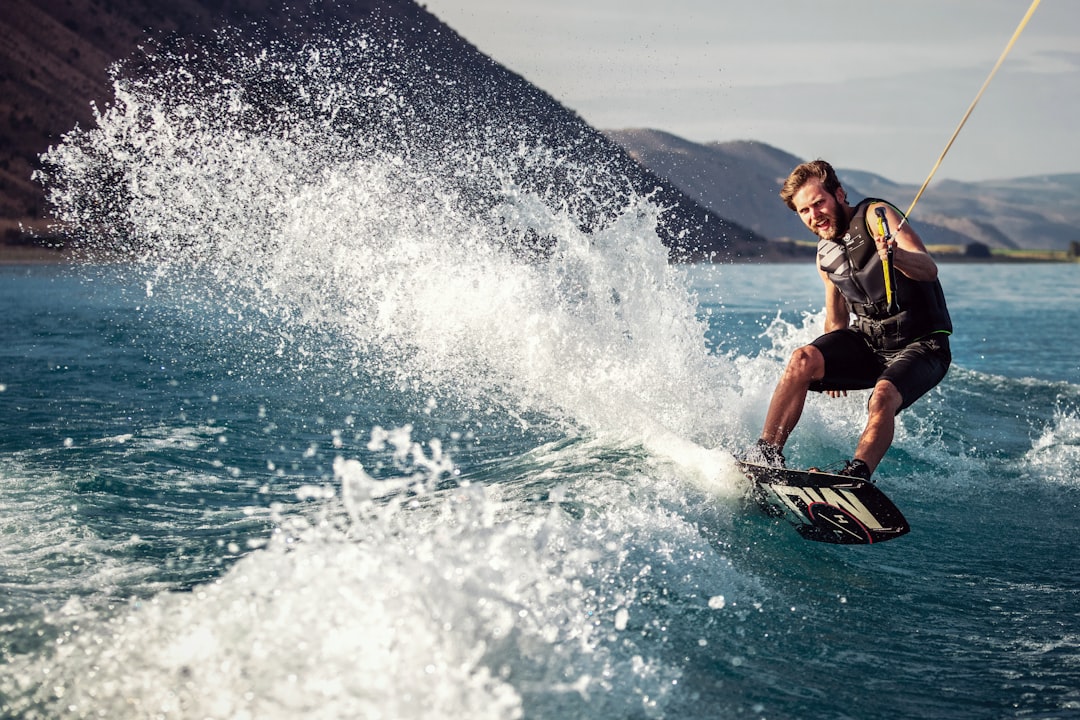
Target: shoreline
35, 255
40, 255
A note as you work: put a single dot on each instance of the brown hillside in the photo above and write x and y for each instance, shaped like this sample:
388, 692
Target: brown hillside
56, 57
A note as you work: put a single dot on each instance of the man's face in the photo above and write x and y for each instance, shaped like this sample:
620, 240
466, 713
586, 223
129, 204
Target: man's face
821, 211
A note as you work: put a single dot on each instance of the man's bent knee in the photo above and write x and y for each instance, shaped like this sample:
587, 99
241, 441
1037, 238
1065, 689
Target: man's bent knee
885, 398
807, 363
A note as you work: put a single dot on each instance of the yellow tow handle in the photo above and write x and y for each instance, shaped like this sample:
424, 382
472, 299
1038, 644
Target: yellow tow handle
887, 266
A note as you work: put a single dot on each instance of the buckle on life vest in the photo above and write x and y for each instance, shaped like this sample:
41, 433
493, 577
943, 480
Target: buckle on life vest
887, 334
873, 311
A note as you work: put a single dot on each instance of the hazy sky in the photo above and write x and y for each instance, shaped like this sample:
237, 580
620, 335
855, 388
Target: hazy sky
865, 84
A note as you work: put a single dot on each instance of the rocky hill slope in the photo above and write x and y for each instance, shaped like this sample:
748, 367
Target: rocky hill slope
54, 57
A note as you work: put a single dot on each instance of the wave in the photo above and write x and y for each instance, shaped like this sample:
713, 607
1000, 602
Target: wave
393, 596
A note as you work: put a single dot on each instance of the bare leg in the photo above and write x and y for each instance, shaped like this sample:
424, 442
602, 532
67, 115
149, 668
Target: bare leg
806, 365
880, 425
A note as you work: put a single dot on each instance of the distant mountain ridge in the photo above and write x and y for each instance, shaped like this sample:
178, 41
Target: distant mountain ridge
742, 179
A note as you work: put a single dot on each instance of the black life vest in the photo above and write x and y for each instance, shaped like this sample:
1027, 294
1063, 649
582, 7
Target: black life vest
853, 265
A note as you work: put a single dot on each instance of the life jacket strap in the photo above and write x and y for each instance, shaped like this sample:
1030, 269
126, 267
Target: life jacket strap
874, 311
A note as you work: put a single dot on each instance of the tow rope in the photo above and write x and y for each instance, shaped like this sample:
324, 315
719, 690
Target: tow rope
1019, 29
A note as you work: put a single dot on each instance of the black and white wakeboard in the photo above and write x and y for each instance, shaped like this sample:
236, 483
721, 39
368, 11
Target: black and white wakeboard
825, 507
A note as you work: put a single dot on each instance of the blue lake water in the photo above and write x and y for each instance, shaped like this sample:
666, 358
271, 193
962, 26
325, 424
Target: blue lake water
213, 511
327, 443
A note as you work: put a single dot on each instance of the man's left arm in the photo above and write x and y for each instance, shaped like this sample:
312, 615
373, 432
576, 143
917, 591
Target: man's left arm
910, 255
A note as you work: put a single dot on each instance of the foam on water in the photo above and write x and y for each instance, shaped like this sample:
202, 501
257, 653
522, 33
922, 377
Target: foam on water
375, 601
47, 546
1056, 451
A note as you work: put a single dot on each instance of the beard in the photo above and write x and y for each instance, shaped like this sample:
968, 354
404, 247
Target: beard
837, 226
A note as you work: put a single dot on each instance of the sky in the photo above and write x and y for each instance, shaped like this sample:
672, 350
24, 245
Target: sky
870, 85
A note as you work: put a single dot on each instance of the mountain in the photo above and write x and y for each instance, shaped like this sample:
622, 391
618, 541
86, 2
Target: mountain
55, 56
738, 178
741, 180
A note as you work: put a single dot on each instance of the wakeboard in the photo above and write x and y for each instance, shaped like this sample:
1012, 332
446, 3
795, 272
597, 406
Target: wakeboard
825, 507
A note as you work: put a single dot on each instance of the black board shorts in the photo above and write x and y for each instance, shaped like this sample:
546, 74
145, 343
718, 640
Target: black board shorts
853, 363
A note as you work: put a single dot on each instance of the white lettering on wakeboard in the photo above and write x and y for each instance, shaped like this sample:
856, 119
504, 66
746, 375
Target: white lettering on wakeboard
801, 498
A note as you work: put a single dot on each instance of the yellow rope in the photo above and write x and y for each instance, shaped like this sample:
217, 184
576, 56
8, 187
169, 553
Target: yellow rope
1019, 29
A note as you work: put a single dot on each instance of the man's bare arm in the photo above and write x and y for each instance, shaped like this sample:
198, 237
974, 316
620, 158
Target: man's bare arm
910, 255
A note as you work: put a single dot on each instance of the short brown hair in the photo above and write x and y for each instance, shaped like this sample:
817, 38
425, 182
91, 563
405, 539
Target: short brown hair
806, 172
